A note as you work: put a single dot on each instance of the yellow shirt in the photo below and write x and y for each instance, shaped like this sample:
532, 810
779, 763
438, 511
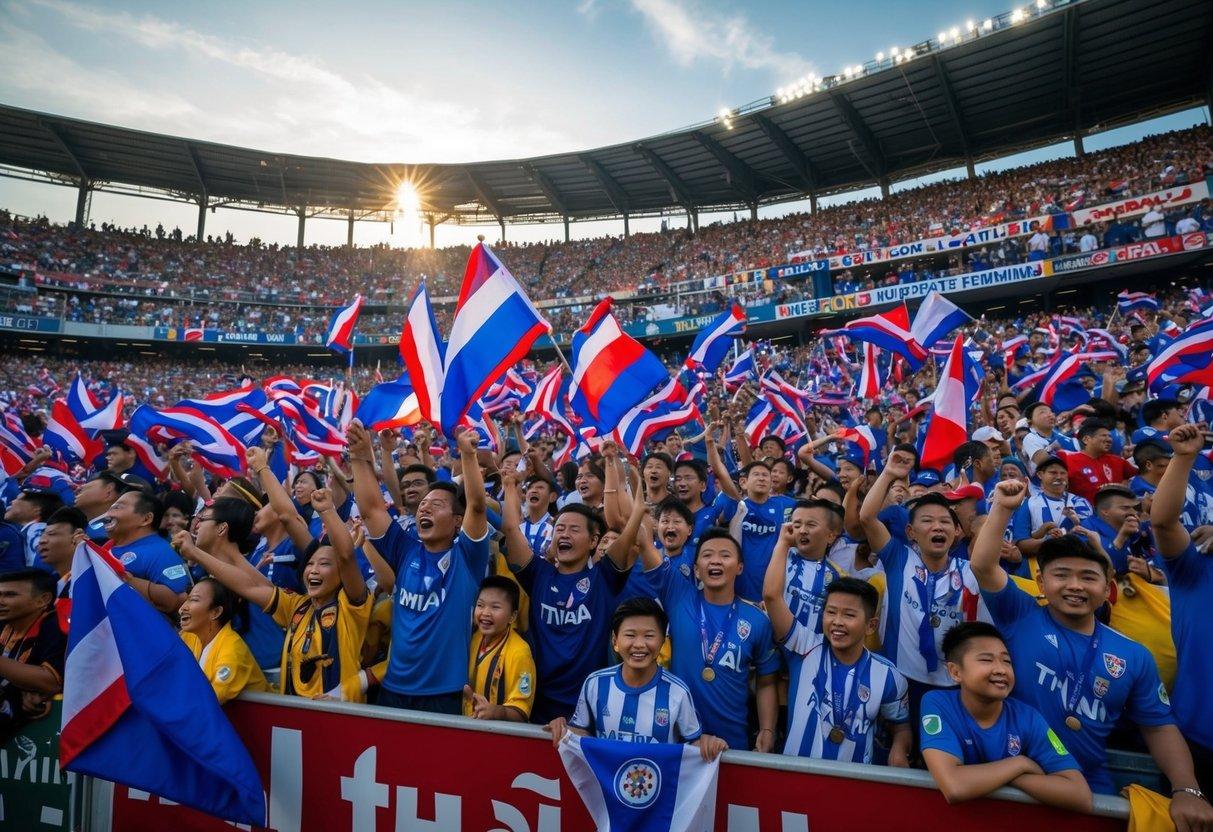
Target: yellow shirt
228, 664
505, 675
342, 626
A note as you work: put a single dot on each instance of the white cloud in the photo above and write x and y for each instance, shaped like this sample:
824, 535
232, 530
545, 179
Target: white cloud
693, 33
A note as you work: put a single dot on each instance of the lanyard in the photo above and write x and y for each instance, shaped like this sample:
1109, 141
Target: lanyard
840, 716
495, 654
808, 606
1077, 681
709, 654
926, 626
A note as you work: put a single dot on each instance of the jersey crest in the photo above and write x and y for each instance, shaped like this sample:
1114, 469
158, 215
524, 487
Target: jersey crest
1114, 664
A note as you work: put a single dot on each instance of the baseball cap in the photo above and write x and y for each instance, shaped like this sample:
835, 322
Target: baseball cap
986, 433
1022, 424
114, 437
1052, 459
972, 491
125, 481
926, 477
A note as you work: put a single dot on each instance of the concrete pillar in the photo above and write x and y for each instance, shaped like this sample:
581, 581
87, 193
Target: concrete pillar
626, 230
203, 203
1079, 150
302, 220
566, 229
753, 212
884, 188
82, 202
432, 224
501, 222
349, 230
813, 203
969, 167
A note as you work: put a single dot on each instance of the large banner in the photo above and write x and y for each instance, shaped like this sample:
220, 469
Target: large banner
34, 793
345, 767
1137, 205
28, 323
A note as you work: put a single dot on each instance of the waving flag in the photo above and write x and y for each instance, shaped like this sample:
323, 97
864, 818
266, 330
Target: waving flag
1059, 372
423, 352
1186, 360
861, 436
495, 325
544, 399
612, 372
392, 404
308, 429
1127, 302
16, 448
889, 331
633, 788
507, 394
936, 318
138, 710
1010, 347
654, 417
90, 414
713, 342
741, 370
64, 433
340, 338
214, 447
869, 378
947, 428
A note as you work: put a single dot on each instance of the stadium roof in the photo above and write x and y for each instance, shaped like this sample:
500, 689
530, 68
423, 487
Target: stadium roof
1063, 69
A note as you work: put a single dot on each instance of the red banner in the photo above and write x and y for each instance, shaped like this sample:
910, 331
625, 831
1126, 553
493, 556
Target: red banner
327, 770
1148, 248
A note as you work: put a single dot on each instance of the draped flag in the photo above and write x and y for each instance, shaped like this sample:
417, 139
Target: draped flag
656, 416
495, 325
612, 371
947, 429
1127, 302
340, 338
422, 351
544, 399
637, 788
714, 340
64, 434
936, 318
869, 379
138, 710
889, 331
391, 404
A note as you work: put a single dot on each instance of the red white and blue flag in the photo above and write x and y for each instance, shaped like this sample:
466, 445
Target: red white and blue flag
741, 370
214, 447
655, 417
862, 437
869, 379
947, 428
422, 351
714, 340
340, 338
137, 708
936, 318
1127, 302
390, 404
888, 330
612, 371
64, 434
1186, 360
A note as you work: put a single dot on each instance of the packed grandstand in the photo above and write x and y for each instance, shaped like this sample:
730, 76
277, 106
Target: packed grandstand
972, 415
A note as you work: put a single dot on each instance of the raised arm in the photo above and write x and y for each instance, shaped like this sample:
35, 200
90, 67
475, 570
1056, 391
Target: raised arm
387, 467
614, 511
366, 484
620, 550
337, 481
724, 481
773, 585
475, 519
987, 548
850, 510
279, 500
250, 585
897, 468
1168, 504
342, 543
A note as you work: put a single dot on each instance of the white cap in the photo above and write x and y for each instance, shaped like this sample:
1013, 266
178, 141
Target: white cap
986, 433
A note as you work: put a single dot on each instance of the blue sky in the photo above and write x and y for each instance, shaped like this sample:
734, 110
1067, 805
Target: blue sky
425, 82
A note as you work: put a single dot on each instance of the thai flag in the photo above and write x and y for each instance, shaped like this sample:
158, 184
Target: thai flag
506, 394
1127, 302
869, 379
947, 428
340, 338
45, 385
138, 710
889, 331
773, 382
64, 433
231, 409
741, 370
654, 417
862, 436
89, 413
1059, 372
16, 448
392, 404
936, 318
1186, 360
495, 325
713, 342
1103, 338
612, 372
423, 352
761, 417
214, 447
544, 399
148, 455
307, 428
1169, 328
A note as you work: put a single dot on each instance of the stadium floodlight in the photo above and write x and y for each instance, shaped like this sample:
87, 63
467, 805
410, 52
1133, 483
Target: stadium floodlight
1041, 4
954, 34
879, 56
941, 37
970, 26
1017, 16
987, 25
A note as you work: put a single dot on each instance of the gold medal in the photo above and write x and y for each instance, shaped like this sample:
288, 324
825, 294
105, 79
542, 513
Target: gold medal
935, 622
1073, 724
837, 735
708, 674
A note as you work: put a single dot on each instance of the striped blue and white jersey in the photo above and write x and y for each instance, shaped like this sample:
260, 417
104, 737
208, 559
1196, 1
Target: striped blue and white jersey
660, 711
538, 534
805, 588
821, 687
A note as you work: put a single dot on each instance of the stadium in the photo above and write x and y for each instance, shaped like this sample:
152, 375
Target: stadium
889, 272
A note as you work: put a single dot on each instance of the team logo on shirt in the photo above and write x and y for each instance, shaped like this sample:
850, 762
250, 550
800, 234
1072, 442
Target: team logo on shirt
1162, 694
174, 572
128, 558
1052, 639
920, 574
1107, 471
1114, 664
1100, 685
864, 693
932, 724
685, 570
956, 579
584, 584
638, 782
328, 618
661, 717
743, 629
1013, 745
524, 684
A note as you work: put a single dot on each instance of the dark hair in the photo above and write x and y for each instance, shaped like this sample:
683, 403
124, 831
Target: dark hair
719, 533
180, 501
662, 457
867, 594
593, 520
46, 502
71, 515
316, 476
505, 585
235, 608
40, 581
416, 468
247, 488
1147, 451
907, 448
932, 498
1109, 491
793, 471
636, 608
758, 463
238, 515
955, 639
458, 504
770, 437
594, 466
695, 465
969, 452
672, 503
148, 504
834, 511
1155, 409
1067, 546
832, 485
568, 475
1090, 426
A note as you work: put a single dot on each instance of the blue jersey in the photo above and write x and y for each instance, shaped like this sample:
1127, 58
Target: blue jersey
805, 588
756, 526
705, 518
432, 612
1121, 678
895, 519
281, 568
569, 628
153, 559
1198, 506
538, 534
824, 693
1190, 577
745, 644
1019, 730
1040, 508
660, 711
